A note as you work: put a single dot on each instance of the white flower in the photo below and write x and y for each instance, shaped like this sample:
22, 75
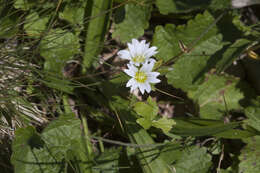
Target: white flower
137, 52
141, 78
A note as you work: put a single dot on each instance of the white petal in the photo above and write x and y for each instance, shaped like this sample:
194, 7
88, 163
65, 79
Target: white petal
151, 60
142, 48
141, 88
132, 50
142, 42
153, 80
151, 52
132, 67
124, 54
135, 41
153, 74
133, 87
147, 66
131, 82
129, 72
148, 87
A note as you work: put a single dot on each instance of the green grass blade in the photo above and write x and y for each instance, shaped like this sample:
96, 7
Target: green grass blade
97, 11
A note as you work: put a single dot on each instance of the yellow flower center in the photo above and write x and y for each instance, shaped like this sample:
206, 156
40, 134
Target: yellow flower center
140, 77
139, 58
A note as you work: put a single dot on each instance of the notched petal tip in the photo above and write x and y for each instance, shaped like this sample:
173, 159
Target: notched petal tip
154, 74
154, 80
148, 87
124, 54
130, 83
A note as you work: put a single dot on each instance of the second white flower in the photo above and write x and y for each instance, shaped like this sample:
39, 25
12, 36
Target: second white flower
138, 52
141, 78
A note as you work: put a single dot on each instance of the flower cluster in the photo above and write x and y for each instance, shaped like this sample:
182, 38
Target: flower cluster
140, 65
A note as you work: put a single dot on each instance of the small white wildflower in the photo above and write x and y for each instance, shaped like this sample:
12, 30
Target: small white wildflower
141, 78
138, 52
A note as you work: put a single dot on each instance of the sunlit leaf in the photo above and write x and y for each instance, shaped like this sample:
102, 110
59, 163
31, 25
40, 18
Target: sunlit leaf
188, 72
167, 38
201, 127
235, 134
58, 47
145, 123
74, 13
24, 4
35, 25
253, 113
194, 160
181, 6
29, 4
164, 123
35, 153
147, 110
219, 94
149, 158
108, 161
127, 26
249, 157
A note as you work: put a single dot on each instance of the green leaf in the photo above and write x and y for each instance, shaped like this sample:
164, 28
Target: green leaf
48, 152
253, 114
249, 157
167, 38
32, 4
24, 4
194, 160
145, 123
127, 26
181, 6
108, 161
74, 13
188, 72
149, 157
8, 27
9, 20
246, 29
211, 94
96, 29
57, 48
35, 25
22, 147
172, 152
59, 84
62, 132
147, 110
189, 69
164, 123
235, 134
232, 53
201, 127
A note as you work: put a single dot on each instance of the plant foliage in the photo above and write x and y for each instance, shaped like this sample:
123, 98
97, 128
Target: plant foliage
65, 107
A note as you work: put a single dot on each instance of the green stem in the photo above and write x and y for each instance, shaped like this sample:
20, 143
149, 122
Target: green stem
89, 150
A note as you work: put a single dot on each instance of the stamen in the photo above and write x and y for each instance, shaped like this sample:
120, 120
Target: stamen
139, 58
140, 77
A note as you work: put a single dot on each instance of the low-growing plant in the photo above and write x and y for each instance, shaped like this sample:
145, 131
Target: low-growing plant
129, 85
